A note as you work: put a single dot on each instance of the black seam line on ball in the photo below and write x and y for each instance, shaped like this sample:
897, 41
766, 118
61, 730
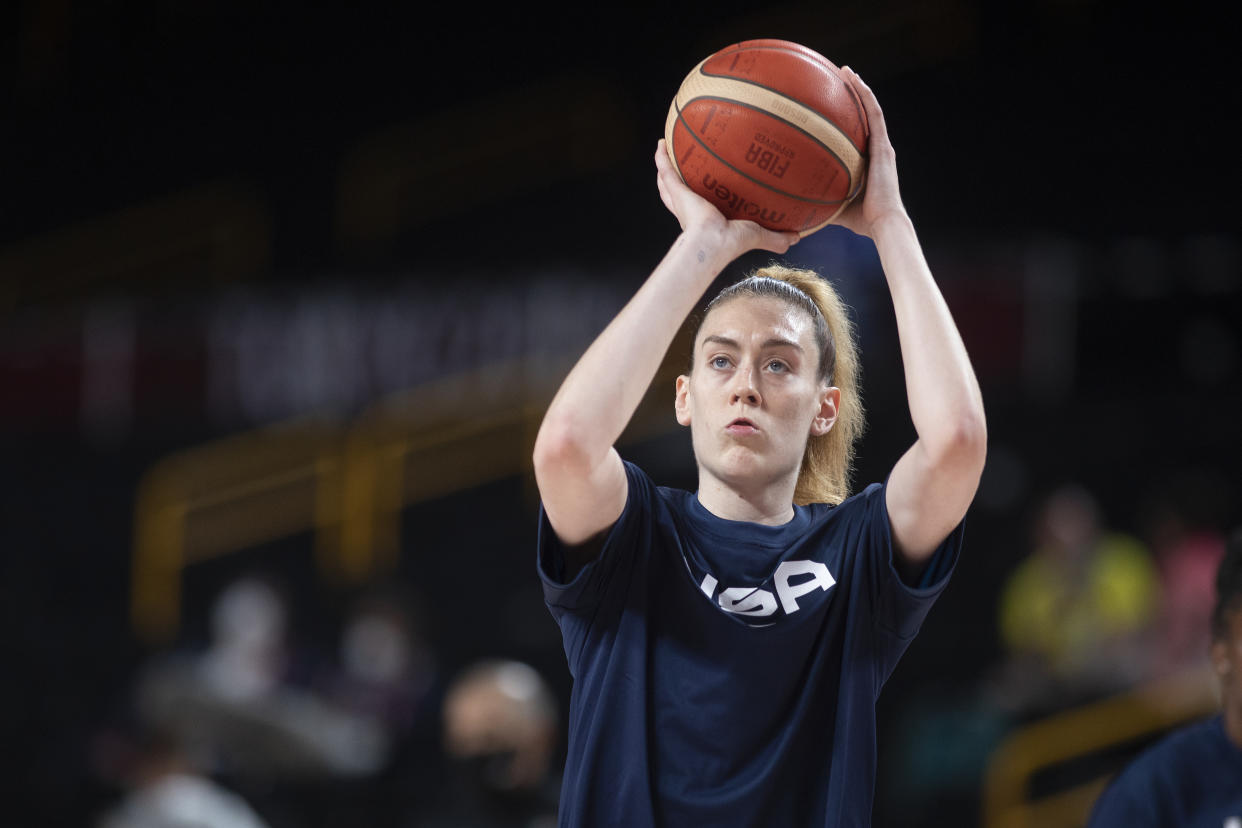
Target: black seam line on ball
699, 141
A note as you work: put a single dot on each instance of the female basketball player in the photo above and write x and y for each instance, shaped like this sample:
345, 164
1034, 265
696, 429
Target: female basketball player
728, 646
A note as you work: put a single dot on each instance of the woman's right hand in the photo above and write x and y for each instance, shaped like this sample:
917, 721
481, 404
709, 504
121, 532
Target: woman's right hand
696, 214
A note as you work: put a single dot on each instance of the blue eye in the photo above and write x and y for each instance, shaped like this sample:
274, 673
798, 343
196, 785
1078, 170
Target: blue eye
777, 365
720, 362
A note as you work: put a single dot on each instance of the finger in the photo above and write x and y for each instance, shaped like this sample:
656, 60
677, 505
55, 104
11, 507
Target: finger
670, 179
875, 115
664, 179
663, 165
664, 193
661, 156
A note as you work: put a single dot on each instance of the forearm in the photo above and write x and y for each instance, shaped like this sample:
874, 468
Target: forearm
602, 391
946, 405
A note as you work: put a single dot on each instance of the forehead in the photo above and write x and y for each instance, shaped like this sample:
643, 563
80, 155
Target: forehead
746, 318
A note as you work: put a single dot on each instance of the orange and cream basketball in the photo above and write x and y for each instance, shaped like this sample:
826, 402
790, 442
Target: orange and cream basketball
771, 131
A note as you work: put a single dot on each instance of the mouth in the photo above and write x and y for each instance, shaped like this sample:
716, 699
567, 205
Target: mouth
742, 426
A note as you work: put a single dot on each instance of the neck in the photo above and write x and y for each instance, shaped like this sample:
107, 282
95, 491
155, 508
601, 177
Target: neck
771, 504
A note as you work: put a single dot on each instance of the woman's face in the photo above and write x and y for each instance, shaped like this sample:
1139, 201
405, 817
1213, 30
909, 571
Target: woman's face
753, 396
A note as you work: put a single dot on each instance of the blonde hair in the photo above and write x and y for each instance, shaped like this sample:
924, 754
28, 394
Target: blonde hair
828, 463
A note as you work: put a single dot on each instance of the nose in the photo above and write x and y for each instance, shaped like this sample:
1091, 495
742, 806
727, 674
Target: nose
745, 390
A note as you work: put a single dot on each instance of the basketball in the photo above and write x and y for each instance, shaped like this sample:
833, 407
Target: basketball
771, 131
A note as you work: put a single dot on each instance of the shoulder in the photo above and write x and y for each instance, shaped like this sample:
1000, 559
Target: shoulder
867, 494
1184, 743
860, 517
1159, 767
858, 525
859, 504
653, 497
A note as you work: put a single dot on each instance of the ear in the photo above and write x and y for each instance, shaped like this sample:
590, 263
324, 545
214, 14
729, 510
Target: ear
829, 407
1220, 658
681, 402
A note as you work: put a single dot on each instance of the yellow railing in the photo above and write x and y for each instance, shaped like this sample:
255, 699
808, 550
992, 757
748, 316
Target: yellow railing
243, 491
347, 482
1115, 722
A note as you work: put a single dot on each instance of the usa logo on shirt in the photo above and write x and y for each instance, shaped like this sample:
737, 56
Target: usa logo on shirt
791, 581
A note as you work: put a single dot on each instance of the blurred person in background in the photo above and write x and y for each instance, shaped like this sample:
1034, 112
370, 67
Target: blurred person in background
239, 707
1076, 616
249, 655
1183, 530
162, 787
386, 668
1192, 778
387, 673
500, 729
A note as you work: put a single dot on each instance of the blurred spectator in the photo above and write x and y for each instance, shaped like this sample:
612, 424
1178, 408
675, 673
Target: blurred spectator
1187, 547
237, 711
386, 670
387, 673
163, 789
1078, 613
501, 730
249, 654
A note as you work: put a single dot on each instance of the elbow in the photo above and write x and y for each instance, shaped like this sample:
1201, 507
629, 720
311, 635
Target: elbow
964, 444
972, 439
560, 447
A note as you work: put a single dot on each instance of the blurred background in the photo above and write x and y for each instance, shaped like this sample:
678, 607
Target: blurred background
284, 290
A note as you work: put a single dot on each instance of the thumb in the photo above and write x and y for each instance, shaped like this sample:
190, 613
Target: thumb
774, 241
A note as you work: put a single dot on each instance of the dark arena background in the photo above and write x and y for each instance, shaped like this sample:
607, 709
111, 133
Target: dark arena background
285, 287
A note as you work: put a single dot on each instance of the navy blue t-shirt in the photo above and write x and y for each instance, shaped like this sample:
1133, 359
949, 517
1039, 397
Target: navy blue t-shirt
726, 672
1191, 778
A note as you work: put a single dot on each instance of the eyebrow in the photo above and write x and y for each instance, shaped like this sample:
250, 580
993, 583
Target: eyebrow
774, 342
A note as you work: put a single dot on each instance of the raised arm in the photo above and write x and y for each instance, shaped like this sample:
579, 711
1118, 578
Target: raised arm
934, 482
580, 476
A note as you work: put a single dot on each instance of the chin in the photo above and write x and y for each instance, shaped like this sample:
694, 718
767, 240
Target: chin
745, 471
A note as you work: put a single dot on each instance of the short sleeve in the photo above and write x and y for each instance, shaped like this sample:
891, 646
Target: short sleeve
901, 607
623, 538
